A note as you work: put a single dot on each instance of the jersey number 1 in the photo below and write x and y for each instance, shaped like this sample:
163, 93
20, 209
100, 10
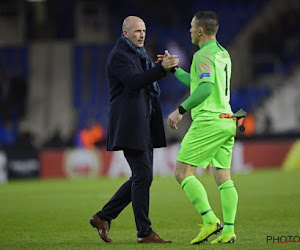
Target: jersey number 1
226, 90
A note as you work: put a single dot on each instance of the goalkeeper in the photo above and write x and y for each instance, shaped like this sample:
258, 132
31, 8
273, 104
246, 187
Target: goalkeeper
210, 138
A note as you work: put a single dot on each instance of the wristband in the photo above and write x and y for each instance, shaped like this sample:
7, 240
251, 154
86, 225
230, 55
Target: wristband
181, 110
173, 70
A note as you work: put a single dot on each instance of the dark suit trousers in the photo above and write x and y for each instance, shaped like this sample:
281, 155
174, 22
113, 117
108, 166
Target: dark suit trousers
135, 190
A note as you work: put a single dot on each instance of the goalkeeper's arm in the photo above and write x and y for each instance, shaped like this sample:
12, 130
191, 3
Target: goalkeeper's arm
199, 95
183, 76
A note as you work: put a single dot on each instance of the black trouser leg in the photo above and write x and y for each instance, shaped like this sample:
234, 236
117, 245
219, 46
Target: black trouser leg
117, 203
136, 189
141, 164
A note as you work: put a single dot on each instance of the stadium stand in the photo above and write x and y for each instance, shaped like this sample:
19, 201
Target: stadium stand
261, 58
233, 16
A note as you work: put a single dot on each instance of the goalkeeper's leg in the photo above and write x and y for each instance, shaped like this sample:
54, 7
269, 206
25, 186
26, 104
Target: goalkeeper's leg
185, 175
229, 200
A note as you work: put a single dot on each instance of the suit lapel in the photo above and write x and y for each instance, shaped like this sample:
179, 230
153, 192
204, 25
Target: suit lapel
134, 58
136, 62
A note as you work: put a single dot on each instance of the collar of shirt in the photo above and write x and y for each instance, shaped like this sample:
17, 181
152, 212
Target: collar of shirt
207, 43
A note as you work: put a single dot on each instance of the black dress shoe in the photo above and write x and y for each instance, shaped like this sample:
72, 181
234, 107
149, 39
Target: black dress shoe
102, 228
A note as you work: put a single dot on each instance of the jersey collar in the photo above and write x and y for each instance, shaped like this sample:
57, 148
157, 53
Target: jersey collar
208, 43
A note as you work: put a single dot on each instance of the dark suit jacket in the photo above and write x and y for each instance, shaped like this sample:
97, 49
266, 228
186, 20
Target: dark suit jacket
135, 120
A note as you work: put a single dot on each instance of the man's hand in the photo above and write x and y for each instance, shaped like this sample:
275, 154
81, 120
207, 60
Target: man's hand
160, 57
167, 61
174, 118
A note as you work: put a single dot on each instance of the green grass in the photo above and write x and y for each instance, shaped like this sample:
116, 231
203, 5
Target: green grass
53, 214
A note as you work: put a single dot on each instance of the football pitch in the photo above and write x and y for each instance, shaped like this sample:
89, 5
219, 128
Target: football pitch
53, 214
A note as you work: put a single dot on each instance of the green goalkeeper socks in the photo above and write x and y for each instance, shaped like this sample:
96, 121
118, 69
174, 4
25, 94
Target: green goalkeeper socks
229, 200
198, 196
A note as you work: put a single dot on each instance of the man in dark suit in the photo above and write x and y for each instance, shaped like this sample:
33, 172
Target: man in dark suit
135, 126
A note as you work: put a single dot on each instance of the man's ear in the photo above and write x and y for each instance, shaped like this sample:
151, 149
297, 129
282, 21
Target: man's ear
125, 33
200, 31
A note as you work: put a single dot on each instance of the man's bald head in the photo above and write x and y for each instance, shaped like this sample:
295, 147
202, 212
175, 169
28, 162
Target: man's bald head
134, 29
131, 20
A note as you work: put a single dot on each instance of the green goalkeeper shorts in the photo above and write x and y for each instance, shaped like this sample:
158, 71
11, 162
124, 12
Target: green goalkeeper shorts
208, 143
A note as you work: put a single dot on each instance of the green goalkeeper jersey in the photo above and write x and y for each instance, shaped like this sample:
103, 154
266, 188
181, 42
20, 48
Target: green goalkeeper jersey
211, 63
